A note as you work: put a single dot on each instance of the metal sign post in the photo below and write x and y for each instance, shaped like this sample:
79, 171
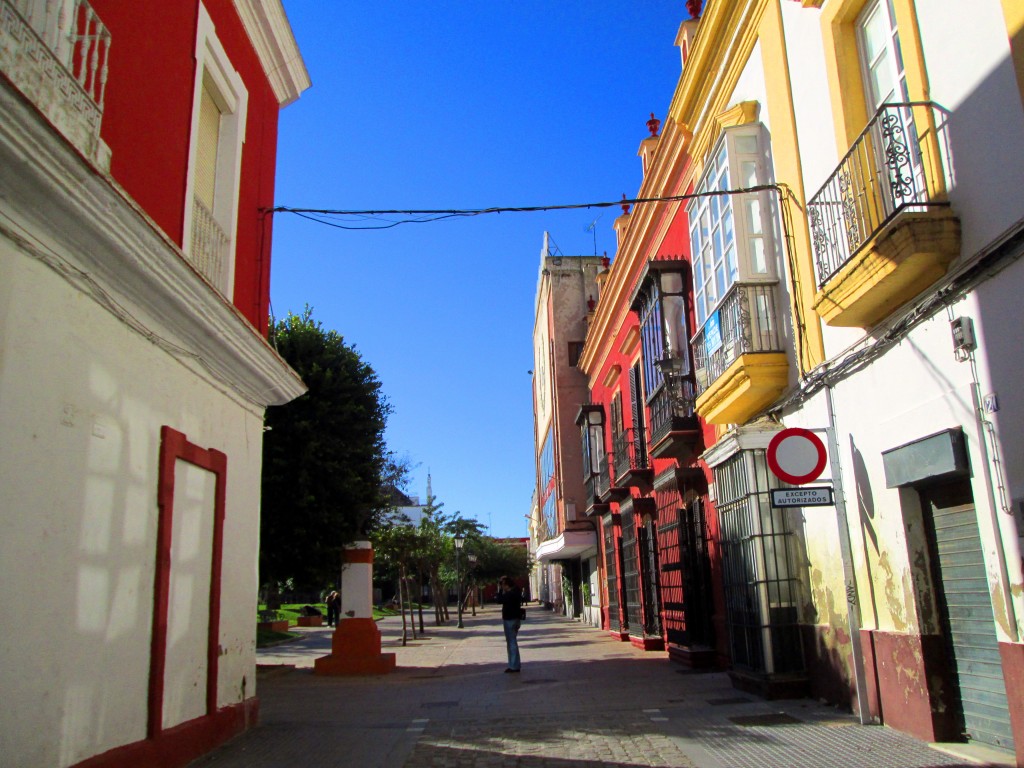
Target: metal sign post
798, 456
846, 550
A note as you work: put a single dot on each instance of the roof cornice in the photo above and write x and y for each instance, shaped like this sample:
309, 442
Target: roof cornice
102, 243
271, 35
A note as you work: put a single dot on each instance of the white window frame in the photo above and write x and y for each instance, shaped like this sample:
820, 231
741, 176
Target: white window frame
214, 67
892, 53
747, 164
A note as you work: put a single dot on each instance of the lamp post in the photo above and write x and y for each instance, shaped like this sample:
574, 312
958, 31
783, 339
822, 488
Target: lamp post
459, 541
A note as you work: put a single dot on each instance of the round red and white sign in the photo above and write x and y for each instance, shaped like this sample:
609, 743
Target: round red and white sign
797, 456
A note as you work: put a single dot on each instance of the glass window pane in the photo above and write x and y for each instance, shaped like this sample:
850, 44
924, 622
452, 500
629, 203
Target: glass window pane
733, 267
746, 144
748, 173
728, 235
874, 33
758, 260
754, 221
720, 279
671, 282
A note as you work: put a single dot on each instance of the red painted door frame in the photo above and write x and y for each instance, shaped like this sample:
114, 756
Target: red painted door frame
173, 446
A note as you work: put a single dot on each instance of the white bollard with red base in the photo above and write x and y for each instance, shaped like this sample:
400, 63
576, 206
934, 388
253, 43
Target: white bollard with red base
355, 645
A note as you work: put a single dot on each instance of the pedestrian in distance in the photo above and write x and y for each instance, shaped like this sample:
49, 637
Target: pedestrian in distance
512, 614
333, 608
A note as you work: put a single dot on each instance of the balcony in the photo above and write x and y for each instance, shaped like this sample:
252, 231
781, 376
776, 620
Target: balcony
596, 487
210, 247
675, 430
738, 356
55, 52
881, 225
632, 467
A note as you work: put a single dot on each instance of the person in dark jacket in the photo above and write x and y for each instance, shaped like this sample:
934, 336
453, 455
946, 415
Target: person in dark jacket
511, 600
333, 608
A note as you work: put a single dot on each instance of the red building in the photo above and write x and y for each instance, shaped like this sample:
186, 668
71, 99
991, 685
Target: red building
661, 585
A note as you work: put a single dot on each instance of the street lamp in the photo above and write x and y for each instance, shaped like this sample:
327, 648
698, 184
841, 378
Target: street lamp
459, 541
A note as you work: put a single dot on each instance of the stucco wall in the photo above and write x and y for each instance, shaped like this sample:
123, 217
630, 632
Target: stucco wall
83, 399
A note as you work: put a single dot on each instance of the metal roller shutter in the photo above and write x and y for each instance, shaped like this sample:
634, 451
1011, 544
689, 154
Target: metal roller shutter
967, 615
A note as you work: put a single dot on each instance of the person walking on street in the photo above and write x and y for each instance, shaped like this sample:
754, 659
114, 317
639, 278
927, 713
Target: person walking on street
511, 600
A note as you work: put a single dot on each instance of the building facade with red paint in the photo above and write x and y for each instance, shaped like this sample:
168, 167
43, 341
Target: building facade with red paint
646, 489
138, 149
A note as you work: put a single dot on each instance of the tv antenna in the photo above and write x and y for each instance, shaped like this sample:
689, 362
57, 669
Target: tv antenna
592, 228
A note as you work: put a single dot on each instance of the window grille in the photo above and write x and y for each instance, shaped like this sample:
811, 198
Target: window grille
631, 570
758, 561
649, 578
610, 561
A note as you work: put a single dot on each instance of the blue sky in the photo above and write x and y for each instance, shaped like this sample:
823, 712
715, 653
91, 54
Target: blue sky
460, 105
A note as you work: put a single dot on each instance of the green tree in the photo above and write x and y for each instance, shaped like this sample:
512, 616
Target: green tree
325, 462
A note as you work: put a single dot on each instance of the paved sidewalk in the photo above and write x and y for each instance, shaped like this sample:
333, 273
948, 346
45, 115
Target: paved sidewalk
582, 700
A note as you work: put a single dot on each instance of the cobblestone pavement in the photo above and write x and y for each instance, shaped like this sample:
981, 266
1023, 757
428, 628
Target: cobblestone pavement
582, 700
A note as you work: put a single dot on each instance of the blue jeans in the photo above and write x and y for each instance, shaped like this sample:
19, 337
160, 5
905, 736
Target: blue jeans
511, 643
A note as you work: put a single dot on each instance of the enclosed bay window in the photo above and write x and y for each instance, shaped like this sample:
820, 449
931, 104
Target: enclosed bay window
731, 235
660, 302
735, 254
591, 424
595, 464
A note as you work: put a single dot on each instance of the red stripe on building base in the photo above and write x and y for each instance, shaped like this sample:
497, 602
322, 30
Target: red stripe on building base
180, 745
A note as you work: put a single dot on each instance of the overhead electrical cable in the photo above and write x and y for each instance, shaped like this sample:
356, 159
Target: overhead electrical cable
327, 216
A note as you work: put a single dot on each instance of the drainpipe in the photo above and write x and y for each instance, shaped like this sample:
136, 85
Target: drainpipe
1002, 542
852, 600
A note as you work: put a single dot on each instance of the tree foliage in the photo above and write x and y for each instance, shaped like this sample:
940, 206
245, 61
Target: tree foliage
325, 462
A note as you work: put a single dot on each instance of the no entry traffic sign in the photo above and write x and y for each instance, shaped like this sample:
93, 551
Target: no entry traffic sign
797, 456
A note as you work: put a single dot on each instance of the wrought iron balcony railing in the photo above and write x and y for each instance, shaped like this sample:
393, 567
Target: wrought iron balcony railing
629, 452
210, 245
900, 162
55, 52
672, 407
746, 321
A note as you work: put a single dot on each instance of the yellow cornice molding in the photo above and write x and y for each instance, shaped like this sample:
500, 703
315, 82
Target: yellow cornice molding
741, 114
719, 52
721, 47
640, 234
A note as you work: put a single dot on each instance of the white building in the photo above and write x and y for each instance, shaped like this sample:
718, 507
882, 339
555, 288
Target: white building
134, 371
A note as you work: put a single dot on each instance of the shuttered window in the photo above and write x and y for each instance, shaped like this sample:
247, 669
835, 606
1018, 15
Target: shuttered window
206, 149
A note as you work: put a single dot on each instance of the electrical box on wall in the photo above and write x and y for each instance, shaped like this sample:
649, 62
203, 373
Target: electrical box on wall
570, 511
964, 341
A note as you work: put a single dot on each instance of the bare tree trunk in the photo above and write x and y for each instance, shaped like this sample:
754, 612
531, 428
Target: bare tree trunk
408, 597
419, 588
401, 603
